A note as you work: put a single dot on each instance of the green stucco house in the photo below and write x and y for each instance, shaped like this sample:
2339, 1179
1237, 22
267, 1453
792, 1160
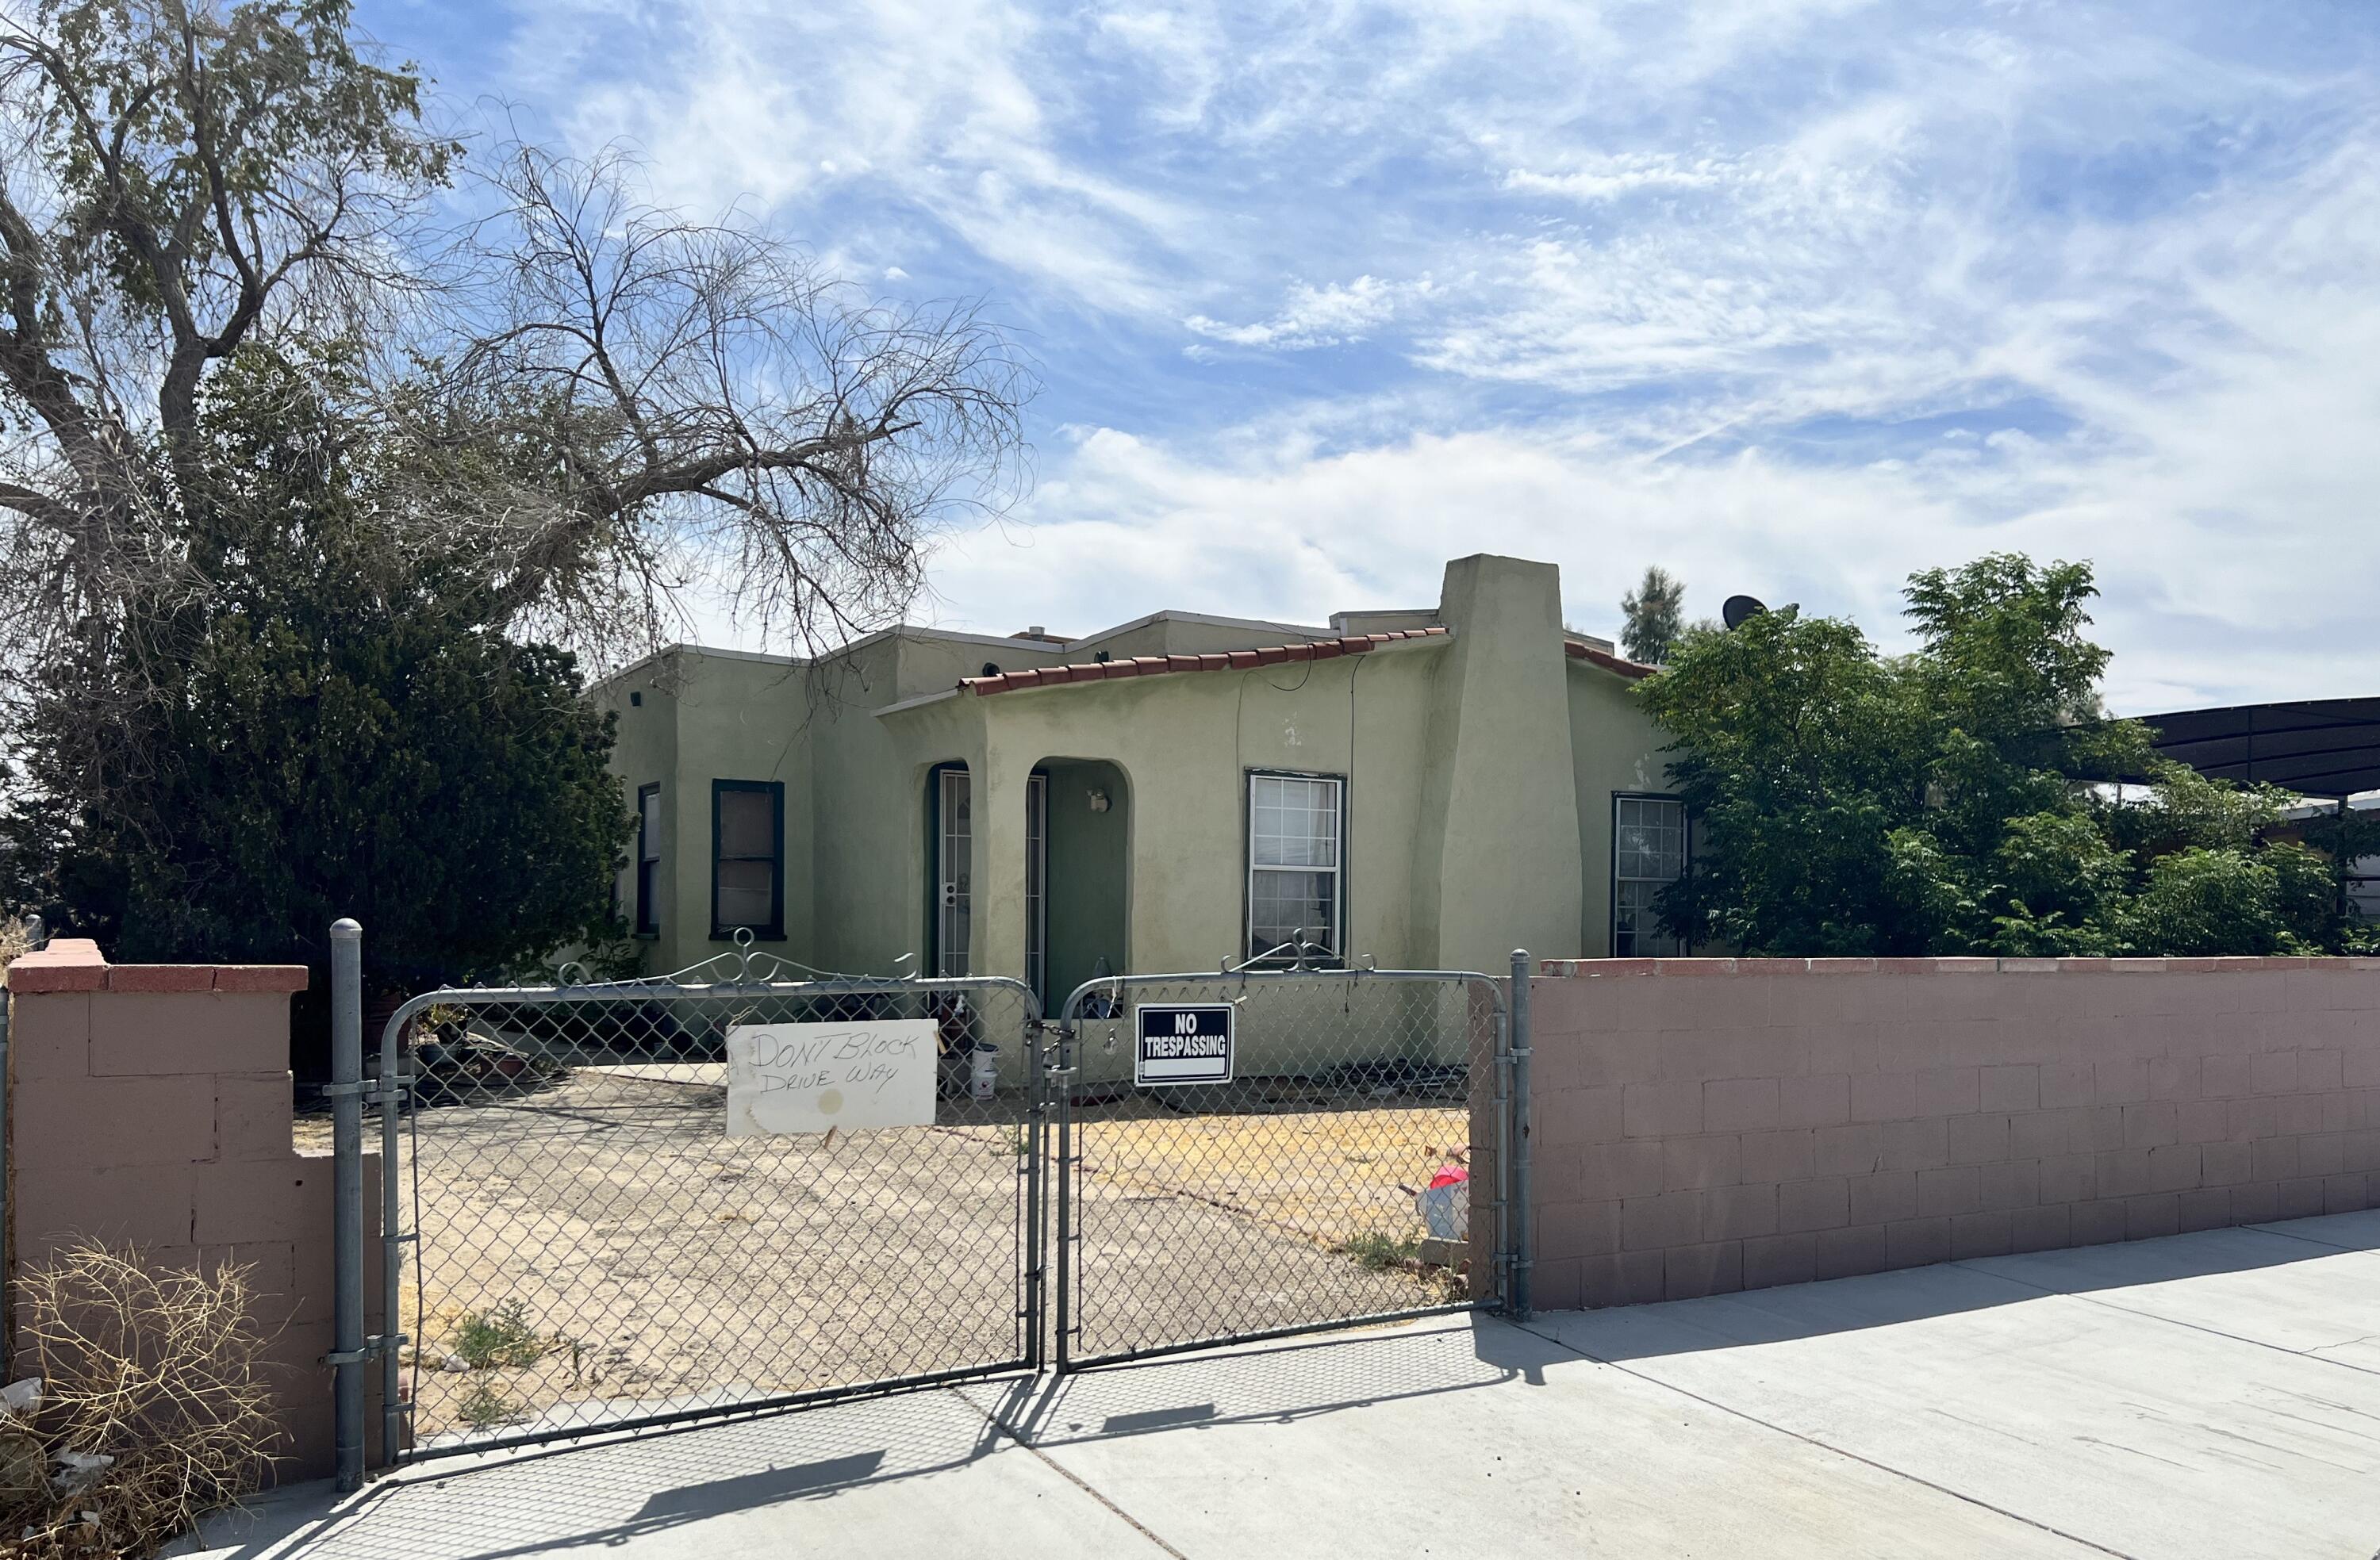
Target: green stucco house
1426, 789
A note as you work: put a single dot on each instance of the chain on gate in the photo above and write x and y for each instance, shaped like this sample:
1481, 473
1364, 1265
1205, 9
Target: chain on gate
1262, 1152
636, 1203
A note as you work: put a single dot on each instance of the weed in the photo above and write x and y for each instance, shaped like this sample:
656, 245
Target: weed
498, 1338
1376, 1251
485, 1406
154, 1377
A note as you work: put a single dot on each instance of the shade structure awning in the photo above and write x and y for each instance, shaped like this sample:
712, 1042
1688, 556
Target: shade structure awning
2315, 747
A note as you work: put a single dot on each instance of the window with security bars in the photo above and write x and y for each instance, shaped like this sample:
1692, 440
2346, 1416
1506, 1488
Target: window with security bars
955, 868
1293, 862
1648, 854
748, 833
649, 859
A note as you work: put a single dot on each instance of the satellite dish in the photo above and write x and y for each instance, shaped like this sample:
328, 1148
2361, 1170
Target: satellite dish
1740, 610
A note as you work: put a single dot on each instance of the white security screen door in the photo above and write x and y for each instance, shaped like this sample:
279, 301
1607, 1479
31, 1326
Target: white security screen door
955, 861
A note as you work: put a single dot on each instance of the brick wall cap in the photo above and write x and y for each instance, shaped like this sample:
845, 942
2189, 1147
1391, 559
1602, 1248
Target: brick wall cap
68, 964
161, 977
1568, 969
261, 977
74, 964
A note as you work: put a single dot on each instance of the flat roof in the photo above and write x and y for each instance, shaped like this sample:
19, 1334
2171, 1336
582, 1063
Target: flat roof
1171, 616
2315, 747
1213, 660
949, 635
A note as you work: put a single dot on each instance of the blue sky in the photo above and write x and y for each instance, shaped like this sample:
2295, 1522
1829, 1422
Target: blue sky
1792, 296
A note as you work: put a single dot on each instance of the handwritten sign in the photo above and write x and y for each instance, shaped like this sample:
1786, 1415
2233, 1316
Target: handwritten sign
810, 1077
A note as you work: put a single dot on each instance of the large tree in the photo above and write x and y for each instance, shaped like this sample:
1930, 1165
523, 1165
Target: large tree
338, 734
573, 412
1965, 797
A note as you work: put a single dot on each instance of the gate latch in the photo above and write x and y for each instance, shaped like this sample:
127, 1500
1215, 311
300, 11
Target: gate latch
372, 1349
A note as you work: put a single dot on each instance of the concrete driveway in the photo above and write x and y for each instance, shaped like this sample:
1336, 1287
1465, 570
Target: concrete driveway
2214, 1395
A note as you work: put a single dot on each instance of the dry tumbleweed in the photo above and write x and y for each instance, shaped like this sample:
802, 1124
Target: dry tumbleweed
151, 1407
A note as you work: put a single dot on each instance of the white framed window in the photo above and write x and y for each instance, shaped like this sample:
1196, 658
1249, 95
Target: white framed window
1295, 863
1648, 854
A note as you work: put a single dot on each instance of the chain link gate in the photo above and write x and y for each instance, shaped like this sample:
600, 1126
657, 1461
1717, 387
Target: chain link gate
1354, 1166
576, 1244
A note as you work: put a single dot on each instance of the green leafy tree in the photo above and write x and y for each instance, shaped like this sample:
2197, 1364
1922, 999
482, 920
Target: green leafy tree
1654, 617
1798, 754
1959, 798
338, 732
2201, 902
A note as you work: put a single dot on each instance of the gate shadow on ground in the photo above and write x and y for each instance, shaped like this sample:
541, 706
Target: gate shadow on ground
1275, 1383
608, 1493
1916, 1295
611, 1492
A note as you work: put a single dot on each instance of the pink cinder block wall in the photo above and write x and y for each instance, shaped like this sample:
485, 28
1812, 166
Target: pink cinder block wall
1706, 1125
149, 1108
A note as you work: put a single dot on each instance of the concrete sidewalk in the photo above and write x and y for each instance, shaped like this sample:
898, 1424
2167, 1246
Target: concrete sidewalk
2214, 1395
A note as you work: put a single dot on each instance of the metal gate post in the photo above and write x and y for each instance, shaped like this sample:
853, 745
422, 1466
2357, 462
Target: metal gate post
393, 1094
348, 1196
1062, 1167
1522, 1246
1036, 1091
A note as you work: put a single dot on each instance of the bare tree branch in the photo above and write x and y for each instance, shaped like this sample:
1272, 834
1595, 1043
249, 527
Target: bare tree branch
581, 416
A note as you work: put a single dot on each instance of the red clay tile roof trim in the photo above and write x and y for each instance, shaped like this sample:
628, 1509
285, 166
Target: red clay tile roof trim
1218, 661
1606, 661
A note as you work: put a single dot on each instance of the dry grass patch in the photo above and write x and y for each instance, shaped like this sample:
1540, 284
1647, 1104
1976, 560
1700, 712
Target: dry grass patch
153, 1406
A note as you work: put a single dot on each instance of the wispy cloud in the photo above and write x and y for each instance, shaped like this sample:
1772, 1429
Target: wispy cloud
1311, 317
1792, 296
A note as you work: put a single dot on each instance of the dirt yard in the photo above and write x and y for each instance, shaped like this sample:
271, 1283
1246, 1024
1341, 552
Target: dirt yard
595, 1246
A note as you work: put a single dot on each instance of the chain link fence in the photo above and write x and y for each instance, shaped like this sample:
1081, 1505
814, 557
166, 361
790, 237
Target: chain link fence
592, 1245
639, 1202
1255, 1153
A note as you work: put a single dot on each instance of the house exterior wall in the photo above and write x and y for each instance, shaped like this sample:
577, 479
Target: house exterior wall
708, 717
1615, 750
1183, 746
1477, 765
644, 751
1499, 829
1705, 1125
870, 812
